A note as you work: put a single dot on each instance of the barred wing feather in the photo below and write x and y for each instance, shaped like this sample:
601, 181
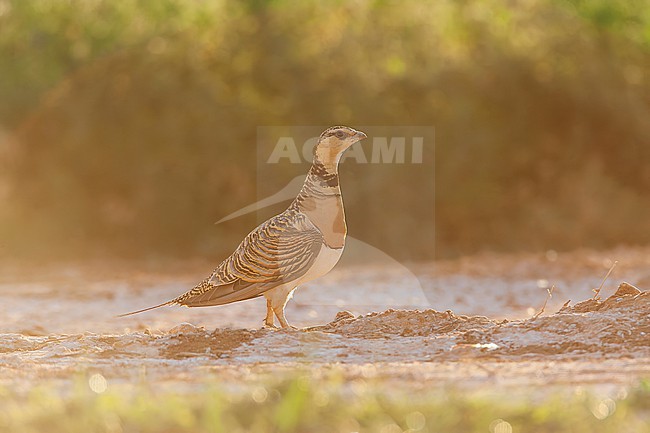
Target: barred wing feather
279, 251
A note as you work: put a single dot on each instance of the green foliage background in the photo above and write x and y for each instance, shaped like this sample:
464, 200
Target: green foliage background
304, 404
128, 126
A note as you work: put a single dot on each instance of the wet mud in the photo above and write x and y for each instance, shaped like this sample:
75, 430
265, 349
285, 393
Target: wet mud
602, 340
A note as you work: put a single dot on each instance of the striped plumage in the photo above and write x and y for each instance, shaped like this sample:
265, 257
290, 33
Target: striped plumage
302, 243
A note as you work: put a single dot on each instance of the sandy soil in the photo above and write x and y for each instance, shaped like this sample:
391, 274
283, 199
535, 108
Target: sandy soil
463, 323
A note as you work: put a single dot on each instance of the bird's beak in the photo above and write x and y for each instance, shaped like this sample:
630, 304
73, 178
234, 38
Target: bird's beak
361, 135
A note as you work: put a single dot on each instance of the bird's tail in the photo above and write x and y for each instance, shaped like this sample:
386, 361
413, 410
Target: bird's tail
176, 301
164, 304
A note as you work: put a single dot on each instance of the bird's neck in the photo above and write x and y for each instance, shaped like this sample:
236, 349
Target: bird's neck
322, 179
320, 199
325, 173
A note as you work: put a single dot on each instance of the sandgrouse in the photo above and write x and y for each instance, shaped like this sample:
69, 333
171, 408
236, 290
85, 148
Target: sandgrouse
302, 243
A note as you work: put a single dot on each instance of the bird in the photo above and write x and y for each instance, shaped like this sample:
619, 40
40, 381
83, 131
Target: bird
289, 249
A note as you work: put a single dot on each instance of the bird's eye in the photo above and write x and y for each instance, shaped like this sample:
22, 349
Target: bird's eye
339, 134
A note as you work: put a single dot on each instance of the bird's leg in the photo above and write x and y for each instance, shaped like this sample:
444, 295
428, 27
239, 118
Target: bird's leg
268, 321
279, 312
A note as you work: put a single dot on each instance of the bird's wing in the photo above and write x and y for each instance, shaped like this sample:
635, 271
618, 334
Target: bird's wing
279, 251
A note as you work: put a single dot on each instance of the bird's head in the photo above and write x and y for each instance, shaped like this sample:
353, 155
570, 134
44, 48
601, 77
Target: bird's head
334, 141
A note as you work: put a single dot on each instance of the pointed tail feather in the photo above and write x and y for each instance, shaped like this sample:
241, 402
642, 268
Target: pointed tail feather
172, 302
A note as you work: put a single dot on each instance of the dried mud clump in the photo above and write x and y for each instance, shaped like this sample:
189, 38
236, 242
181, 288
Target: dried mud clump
188, 341
402, 323
617, 326
626, 293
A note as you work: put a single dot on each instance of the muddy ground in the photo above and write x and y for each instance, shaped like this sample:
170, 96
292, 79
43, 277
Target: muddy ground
462, 323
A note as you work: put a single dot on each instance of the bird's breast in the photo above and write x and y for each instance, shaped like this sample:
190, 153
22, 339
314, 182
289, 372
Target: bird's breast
328, 216
327, 258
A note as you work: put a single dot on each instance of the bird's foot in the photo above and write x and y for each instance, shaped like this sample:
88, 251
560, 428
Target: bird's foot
271, 326
291, 328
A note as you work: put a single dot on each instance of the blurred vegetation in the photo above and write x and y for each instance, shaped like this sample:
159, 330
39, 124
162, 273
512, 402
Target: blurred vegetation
130, 125
307, 405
